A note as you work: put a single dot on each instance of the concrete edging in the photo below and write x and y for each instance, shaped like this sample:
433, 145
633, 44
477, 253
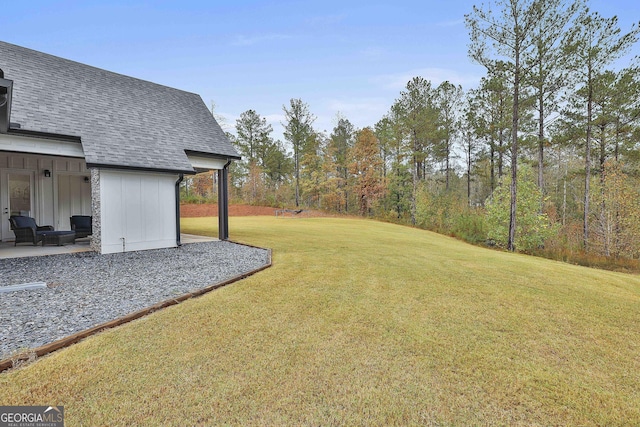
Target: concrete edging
72, 339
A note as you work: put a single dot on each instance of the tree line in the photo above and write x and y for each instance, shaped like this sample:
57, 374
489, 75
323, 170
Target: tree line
543, 155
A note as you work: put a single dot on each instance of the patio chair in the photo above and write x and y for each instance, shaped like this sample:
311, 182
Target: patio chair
26, 229
81, 224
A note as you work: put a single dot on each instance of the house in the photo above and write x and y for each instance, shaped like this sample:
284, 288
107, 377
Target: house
79, 140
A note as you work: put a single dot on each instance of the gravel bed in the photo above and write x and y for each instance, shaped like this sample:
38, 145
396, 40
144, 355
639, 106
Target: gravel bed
87, 289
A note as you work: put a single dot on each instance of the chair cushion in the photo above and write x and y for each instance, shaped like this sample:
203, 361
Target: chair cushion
81, 222
24, 222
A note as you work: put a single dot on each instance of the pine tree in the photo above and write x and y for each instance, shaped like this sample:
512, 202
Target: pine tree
550, 72
448, 102
509, 36
340, 142
418, 118
297, 130
253, 136
593, 43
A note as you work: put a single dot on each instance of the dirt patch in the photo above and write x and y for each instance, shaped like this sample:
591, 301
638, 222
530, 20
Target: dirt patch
200, 210
211, 209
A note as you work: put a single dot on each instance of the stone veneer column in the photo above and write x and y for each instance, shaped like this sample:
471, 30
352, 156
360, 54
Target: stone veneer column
96, 240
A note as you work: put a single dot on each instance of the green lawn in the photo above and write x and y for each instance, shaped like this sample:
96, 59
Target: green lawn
363, 323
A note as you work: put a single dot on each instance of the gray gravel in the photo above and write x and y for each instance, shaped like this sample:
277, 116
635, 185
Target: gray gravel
87, 289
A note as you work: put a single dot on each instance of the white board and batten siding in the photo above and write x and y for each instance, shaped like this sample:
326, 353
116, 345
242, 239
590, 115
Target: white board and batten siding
73, 192
74, 198
138, 210
54, 198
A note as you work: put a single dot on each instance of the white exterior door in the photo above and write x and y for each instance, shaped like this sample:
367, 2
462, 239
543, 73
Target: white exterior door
17, 195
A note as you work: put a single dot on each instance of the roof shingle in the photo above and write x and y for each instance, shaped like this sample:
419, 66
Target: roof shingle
122, 121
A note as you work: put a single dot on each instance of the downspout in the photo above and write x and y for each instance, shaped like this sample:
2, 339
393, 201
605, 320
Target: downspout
180, 179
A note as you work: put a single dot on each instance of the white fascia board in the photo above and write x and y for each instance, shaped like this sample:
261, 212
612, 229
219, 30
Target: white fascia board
29, 144
208, 163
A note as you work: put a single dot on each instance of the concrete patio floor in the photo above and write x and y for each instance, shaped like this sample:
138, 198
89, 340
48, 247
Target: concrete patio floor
8, 250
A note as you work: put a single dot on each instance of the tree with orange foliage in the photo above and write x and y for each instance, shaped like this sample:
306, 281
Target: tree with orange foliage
365, 168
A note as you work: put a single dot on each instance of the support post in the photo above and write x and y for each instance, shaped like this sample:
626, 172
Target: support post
223, 202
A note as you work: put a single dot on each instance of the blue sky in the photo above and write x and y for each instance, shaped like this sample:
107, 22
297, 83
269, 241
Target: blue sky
352, 57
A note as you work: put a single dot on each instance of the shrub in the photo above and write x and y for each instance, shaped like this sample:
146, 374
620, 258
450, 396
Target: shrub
470, 226
533, 227
192, 199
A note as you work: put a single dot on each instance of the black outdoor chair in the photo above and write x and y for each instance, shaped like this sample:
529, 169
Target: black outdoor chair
26, 229
81, 224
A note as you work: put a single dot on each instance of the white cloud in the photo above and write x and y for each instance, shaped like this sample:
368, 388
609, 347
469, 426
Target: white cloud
453, 23
244, 40
226, 121
274, 118
398, 81
356, 105
325, 20
372, 52
360, 111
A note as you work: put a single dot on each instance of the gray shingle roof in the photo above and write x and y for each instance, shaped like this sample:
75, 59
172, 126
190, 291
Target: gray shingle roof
121, 120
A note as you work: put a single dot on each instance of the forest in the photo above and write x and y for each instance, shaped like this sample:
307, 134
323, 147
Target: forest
542, 157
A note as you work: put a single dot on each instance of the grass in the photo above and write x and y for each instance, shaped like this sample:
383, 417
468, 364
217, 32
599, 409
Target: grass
363, 323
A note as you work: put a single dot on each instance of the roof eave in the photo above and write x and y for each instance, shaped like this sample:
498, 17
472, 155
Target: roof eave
44, 135
140, 168
213, 155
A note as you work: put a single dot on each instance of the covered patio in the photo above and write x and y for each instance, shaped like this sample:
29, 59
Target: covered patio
118, 159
